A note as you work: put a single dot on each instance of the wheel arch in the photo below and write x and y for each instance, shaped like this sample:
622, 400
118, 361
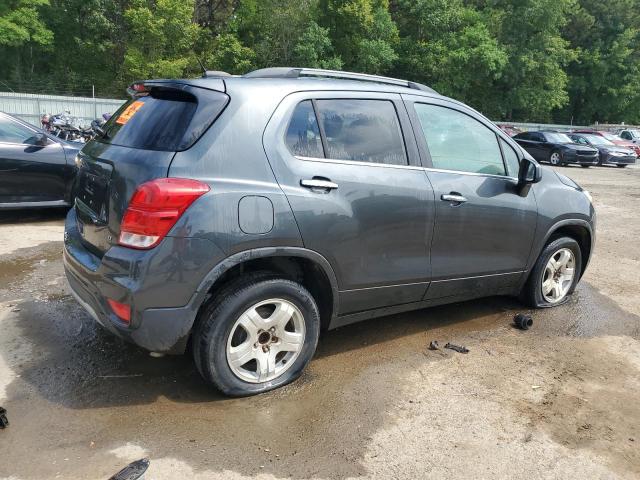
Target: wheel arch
580, 230
305, 266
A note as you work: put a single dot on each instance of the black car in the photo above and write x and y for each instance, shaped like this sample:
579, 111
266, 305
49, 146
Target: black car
556, 148
609, 152
36, 169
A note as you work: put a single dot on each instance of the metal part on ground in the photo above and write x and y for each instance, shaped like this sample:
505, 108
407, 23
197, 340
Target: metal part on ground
457, 348
4, 422
522, 321
133, 471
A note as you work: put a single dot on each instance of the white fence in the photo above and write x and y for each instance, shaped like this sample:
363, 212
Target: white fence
30, 107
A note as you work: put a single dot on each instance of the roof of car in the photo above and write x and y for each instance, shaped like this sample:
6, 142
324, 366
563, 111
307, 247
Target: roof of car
300, 79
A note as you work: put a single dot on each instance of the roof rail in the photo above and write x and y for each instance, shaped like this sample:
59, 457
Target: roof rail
287, 72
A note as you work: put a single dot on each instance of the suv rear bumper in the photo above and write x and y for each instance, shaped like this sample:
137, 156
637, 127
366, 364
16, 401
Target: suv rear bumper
92, 280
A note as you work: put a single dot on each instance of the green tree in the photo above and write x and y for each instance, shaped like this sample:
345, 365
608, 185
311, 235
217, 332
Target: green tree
20, 23
604, 79
161, 38
272, 28
314, 49
535, 82
362, 32
448, 46
229, 55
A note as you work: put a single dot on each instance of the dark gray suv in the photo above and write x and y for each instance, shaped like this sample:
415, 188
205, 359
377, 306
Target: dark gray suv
240, 216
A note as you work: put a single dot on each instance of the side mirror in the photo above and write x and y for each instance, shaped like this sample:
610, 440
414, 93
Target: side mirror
39, 140
530, 172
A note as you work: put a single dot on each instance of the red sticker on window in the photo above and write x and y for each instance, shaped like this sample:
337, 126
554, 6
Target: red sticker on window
129, 112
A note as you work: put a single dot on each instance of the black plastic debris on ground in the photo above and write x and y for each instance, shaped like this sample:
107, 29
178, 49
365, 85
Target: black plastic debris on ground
457, 348
4, 422
133, 471
434, 345
522, 321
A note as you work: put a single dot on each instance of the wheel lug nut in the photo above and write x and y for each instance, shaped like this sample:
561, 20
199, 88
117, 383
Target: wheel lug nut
272, 329
265, 348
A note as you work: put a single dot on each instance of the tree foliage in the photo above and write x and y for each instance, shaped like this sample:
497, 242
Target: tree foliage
20, 23
536, 60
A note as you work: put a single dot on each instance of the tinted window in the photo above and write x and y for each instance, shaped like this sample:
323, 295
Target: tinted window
362, 130
303, 134
164, 119
510, 158
13, 132
459, 142
537, 137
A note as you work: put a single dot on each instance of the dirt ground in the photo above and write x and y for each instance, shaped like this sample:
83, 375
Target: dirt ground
558, 401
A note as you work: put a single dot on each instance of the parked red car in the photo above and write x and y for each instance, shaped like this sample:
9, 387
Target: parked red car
613, 138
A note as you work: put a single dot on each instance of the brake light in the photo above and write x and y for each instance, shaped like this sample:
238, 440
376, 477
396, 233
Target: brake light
154, 209
122, 310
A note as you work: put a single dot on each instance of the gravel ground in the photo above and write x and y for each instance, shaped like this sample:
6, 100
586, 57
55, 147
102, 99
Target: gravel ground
558, 401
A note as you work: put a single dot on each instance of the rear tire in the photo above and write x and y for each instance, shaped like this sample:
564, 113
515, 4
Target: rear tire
547, 274
585, 166
621, 166
257, 334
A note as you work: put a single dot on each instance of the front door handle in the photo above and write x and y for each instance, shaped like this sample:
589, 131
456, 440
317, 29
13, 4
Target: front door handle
319, 184
454, 198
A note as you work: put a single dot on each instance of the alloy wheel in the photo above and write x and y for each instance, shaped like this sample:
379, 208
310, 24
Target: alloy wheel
265, 340
558, 274
555, 158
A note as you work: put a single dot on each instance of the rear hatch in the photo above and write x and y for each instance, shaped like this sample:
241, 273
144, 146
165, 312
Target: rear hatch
138, 145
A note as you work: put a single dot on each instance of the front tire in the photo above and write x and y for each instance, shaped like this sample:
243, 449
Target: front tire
621, 166
555, 158
555, 275
256, 335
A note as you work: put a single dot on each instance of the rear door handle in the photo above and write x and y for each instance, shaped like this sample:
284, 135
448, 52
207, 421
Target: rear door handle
454, 198
318, 183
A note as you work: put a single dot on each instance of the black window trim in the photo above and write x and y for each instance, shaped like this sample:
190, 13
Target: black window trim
404, 124
424, 148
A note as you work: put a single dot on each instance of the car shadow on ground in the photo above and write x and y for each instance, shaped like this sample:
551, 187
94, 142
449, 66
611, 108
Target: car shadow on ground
32, 215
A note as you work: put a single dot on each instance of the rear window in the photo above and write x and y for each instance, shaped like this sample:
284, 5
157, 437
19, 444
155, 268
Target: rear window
164, 119
362, 131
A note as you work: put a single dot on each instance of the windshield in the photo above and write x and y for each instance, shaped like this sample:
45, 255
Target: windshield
635, 133
610, 136
597, 140
557, 137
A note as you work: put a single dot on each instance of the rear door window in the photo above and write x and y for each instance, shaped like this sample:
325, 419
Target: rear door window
163, 119
362, 131
303, 133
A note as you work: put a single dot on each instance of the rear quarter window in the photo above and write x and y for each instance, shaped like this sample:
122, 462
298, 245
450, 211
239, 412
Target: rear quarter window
164, 119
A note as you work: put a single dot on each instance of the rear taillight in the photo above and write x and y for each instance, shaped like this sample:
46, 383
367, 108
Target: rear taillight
155, 208
122, 310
